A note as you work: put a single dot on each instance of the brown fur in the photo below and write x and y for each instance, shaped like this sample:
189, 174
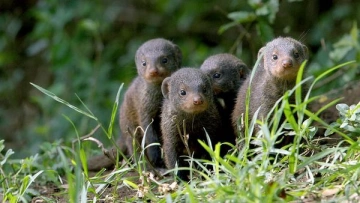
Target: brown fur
189, 99
155, 60
275, 74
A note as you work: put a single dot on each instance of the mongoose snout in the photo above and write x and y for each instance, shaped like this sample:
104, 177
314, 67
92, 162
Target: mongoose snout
195, 103
287, 63
197, 100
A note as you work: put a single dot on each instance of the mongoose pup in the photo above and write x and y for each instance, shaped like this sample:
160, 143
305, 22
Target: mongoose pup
155, 60
228, 73
188, 107
275, 74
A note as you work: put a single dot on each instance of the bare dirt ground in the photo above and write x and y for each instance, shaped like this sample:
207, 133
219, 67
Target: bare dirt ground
59, 193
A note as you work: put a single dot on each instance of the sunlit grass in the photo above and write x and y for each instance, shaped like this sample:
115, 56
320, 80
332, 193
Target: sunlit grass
302, 170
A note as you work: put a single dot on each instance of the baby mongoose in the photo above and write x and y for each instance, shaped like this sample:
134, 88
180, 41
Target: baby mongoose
228, 73
275, 74
155, 60
188, 107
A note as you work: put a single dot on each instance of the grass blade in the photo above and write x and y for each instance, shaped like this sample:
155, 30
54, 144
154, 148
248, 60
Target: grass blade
56, 98
114, 112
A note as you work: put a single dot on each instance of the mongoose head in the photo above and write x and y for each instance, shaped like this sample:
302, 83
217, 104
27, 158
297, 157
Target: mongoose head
282, 57
227, 72
156, 59
189, 90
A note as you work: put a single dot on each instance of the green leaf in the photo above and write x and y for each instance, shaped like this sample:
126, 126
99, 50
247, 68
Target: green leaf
342, 108
2, 146
354, 33
9, 152
242, 16
265, 31
37, 47
342, 48
254, 3
344, 125
26, 182
318, 156
262, 11
316, 118
269, 9
329, 131
273, 8
352, 117
227, 26
89, 25
131, 184
350, 128
339, 53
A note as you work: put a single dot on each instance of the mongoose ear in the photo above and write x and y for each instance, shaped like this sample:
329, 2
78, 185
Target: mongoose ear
306, 51
137, 56
261, 51
243, 71
178, 55
165, 87
261, 56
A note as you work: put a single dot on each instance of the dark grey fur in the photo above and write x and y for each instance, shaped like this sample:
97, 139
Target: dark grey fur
196, 108
155, 60
228, 73
276, 73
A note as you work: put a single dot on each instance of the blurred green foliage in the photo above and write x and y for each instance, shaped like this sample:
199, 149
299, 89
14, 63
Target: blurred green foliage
349, 120
87, 48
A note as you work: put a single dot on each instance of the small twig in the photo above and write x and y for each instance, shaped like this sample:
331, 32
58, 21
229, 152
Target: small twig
163, 188
86, 136
103, 149
184, 137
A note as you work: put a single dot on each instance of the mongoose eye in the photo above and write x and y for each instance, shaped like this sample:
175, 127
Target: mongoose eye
274, 57
204, 90
296, 55
217, 75
242, 67
182, 92
164, 60
143, 63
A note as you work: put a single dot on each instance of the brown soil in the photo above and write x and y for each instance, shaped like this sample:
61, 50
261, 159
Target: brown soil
60, 194
121, 193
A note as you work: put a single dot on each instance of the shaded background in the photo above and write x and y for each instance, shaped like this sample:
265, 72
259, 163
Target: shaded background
86, 48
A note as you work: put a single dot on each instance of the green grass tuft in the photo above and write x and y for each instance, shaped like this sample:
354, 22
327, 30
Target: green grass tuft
304, 170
